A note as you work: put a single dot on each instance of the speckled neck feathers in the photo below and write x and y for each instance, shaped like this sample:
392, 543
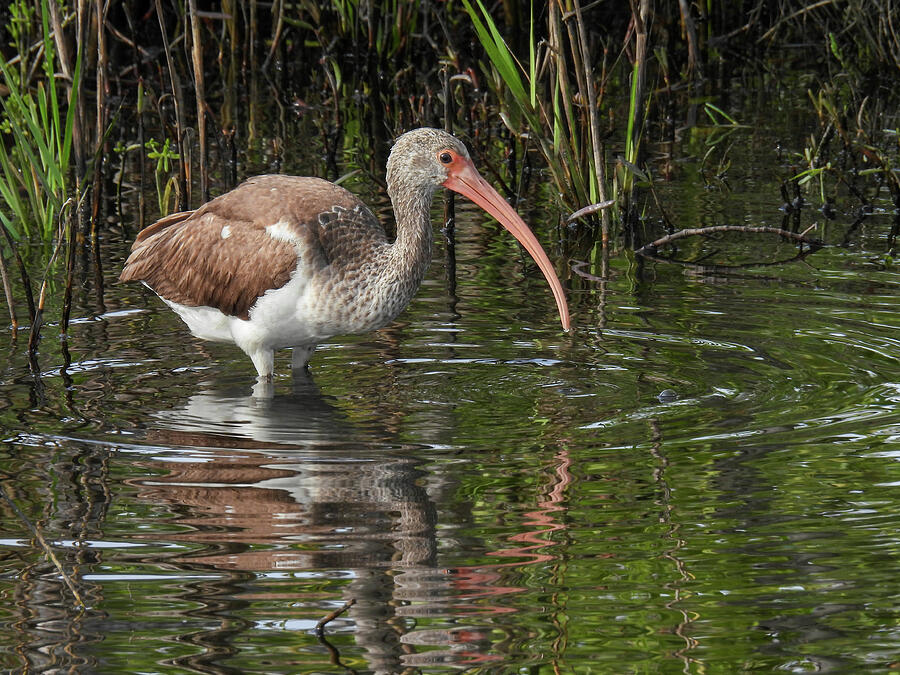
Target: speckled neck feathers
413, 176
410, 254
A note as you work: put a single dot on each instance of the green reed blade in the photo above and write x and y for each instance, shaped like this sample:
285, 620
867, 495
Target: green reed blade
497, 50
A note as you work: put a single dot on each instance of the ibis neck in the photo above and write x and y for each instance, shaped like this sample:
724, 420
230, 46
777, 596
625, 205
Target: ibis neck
411, 251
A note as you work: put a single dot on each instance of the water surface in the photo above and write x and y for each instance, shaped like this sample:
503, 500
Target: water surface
702, 477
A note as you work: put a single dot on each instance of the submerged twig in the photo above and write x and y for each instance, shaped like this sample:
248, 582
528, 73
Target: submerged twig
730, 269
578, 268
331, 616
7, 289
335, 655
51, 556
70, 270
652, 246
38, 320
23, 272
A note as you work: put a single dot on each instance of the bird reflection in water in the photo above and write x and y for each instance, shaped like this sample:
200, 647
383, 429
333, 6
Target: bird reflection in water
288, 484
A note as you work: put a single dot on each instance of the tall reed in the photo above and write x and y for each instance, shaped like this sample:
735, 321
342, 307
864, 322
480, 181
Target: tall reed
541, 100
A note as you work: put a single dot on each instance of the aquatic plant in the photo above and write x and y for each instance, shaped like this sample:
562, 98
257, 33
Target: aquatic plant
166, 182
867, 158
861, 34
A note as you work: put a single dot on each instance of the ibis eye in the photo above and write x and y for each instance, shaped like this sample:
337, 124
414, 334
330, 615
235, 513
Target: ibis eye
446, 157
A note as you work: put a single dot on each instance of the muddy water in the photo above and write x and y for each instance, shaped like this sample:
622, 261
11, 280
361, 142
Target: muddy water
703, 477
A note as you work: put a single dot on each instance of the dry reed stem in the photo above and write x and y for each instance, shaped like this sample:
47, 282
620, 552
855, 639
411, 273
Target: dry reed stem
594, 119
200, 95
183, 171
639, 16
449, 200
62, 50
82, 28
561, 85
276, 32
70, 272
139, 114
102, 87
690, 32
803, 10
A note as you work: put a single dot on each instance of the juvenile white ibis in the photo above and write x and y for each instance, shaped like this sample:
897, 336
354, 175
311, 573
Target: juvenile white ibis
285, 261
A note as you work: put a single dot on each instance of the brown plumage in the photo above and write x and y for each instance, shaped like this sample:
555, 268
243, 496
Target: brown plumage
286, 261
185, 259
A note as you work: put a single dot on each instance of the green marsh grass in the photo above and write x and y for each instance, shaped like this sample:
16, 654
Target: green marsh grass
856, 148
536, 100
35, 180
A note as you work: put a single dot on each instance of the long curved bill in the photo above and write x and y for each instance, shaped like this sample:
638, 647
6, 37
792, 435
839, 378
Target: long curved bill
465, 179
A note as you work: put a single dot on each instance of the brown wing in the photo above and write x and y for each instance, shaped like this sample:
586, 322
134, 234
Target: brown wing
222, 255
